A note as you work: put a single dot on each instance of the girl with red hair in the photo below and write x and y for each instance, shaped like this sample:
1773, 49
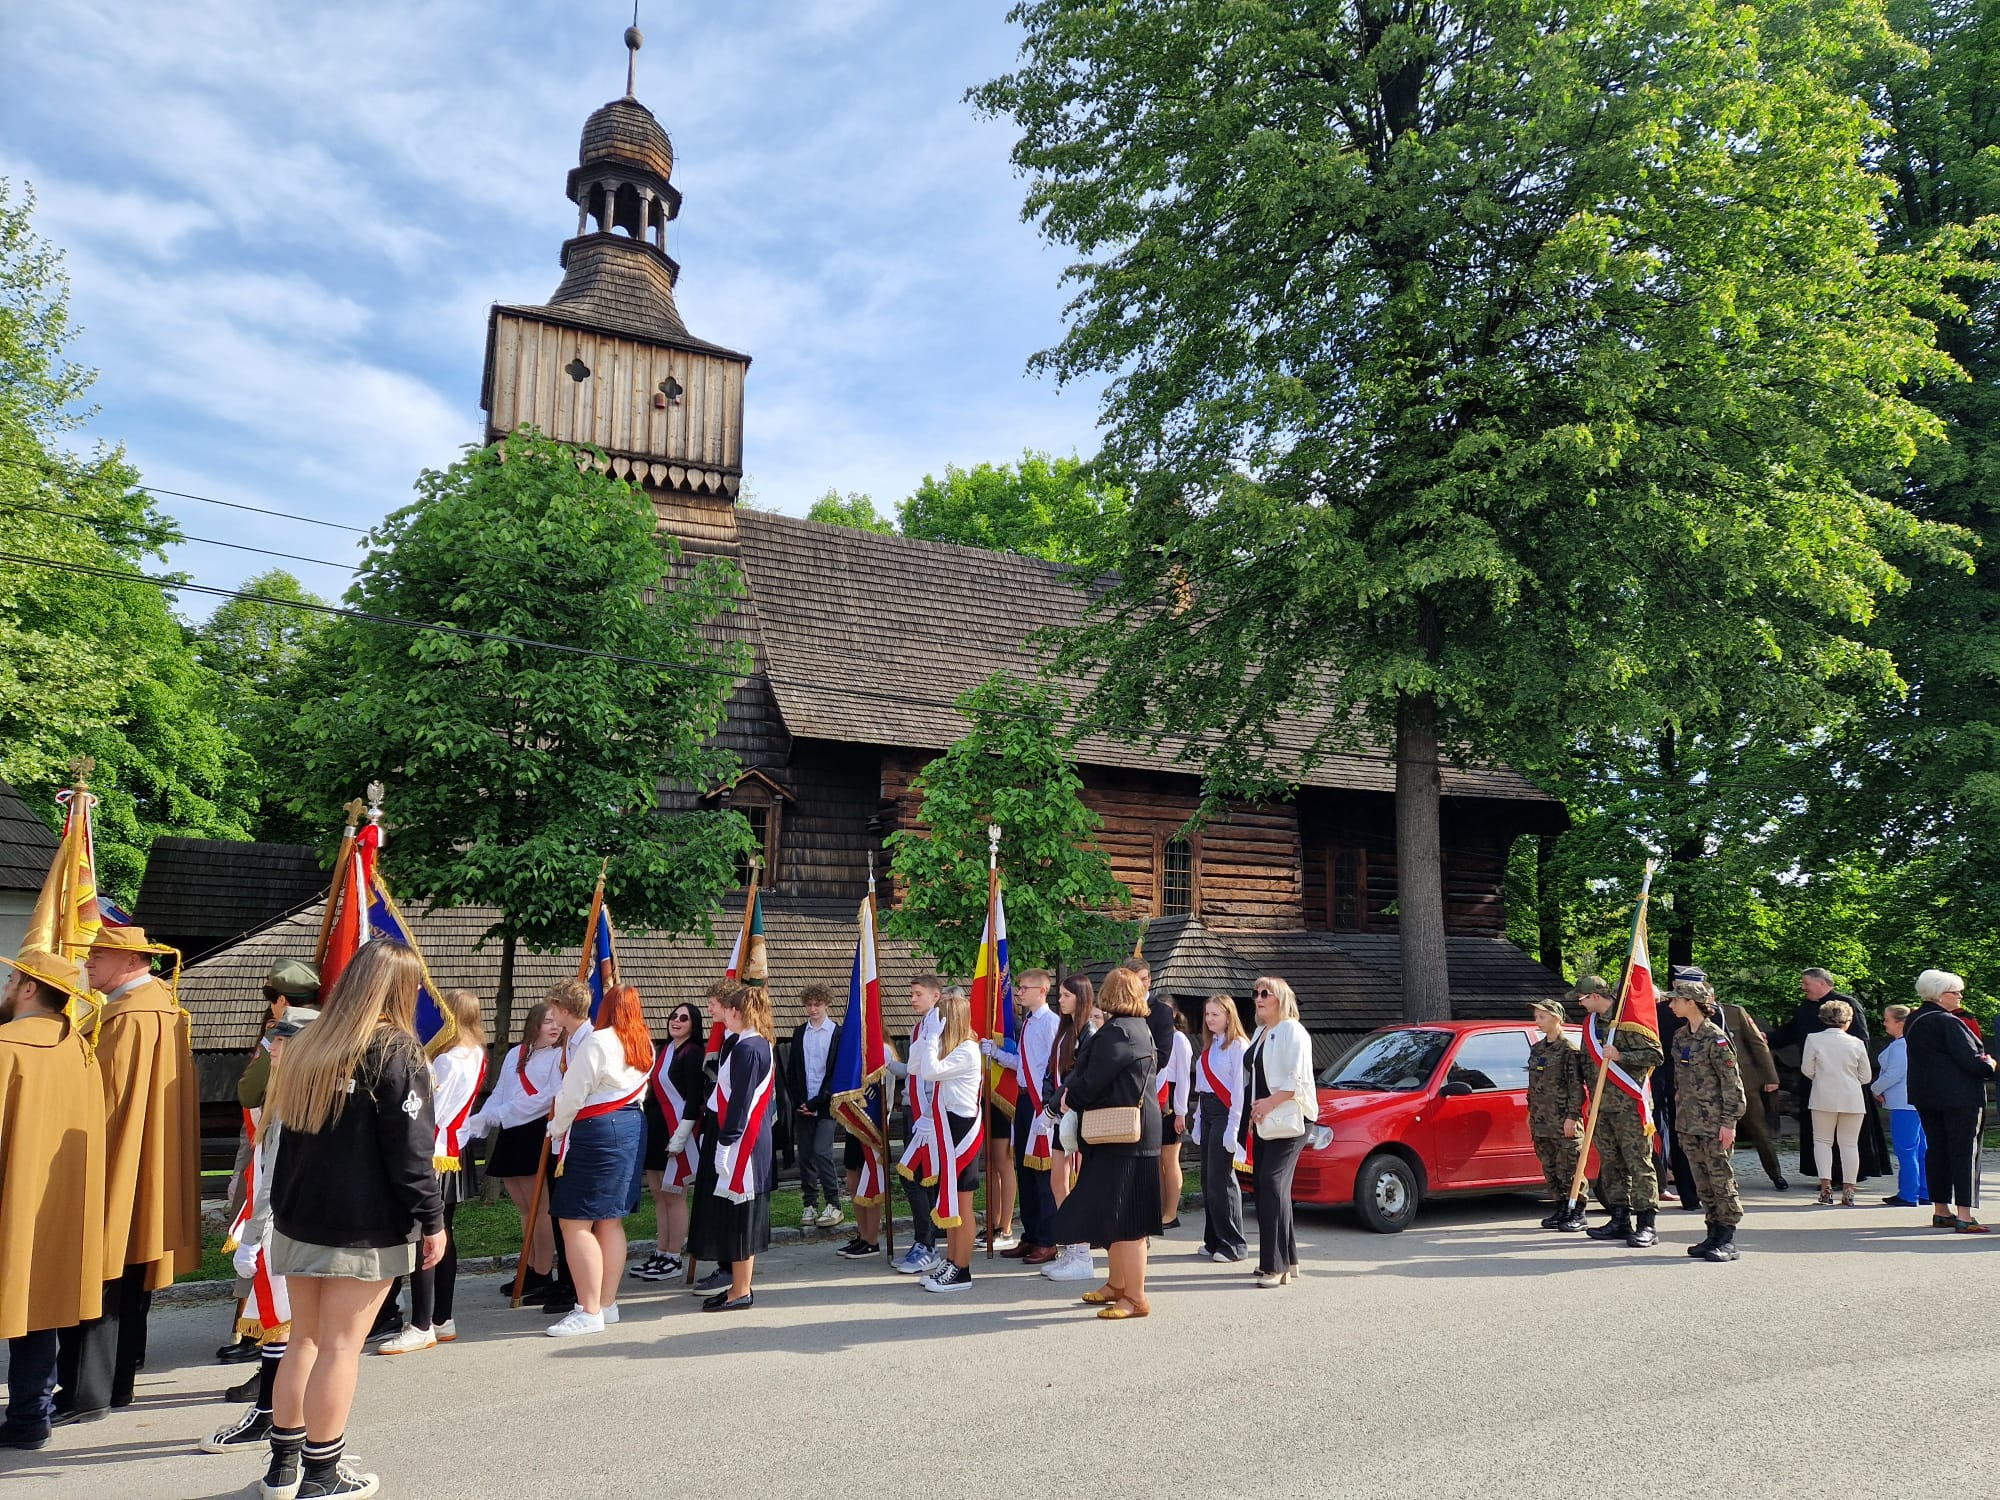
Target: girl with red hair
598, 1134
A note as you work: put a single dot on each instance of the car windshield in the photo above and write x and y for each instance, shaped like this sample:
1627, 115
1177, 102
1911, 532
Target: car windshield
1391, 1061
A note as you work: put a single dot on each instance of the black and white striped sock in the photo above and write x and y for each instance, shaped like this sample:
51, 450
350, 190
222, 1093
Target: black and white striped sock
323, 1458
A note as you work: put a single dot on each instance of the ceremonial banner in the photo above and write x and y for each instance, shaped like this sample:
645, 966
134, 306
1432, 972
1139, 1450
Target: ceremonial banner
359, 909
862, 1062
993, 1004
67, 916
1638, 1011
598, 964
747, 958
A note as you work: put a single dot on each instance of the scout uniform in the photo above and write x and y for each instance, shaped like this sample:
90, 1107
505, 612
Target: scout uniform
1708, 1099
1556, 1098
51, 1194
152, 1215
1624, 1145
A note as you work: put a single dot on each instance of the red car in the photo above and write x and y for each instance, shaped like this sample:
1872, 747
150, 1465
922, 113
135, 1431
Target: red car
1422, 1111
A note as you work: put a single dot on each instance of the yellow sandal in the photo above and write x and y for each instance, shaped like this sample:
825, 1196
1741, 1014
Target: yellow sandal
1129, 1309
1105, 1293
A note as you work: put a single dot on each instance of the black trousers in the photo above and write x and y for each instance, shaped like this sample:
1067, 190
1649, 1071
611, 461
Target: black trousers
31, 1382
1272, 1165
1951, 1150
1221, 1198
1038, 1198
97, 1362
433, 1292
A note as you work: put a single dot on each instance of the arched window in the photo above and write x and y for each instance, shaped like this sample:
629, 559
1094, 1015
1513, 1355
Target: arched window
1177, 877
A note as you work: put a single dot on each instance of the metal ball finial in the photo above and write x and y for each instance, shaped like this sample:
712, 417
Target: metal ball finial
634, 38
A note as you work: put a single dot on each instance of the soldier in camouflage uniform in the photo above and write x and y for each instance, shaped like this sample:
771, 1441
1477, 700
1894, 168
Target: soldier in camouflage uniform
1624, 1146
1555, 1110
1708, 1101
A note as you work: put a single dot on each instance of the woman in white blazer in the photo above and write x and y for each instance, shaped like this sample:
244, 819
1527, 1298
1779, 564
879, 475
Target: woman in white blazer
1838, 1065
1282, 1099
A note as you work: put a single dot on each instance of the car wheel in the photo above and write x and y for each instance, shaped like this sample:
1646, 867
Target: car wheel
1386, 1193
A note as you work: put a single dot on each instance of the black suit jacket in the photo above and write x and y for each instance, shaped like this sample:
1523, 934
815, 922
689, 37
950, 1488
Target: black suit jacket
795, 1074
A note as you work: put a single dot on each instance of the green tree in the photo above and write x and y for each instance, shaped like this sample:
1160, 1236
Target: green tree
90, 663
1013, 767
569, 724
1477, 370
853, 510
1042, 507
255, 648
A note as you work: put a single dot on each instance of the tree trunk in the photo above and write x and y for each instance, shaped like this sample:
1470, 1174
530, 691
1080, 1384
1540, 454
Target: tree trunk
503, 1000
1420, 862
1548, 907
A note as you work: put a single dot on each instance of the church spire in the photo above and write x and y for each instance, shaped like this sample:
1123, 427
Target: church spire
634, 40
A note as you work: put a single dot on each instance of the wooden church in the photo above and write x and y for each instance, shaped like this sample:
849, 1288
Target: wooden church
862, 642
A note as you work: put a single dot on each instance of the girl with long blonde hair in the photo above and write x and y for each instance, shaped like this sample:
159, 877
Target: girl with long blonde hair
523, 1092
732, 1224
355, 1201
950, 1065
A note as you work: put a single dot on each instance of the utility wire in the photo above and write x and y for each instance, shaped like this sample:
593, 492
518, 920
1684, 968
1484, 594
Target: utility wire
177, 539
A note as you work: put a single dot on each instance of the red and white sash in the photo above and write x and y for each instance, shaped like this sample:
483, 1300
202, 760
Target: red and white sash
735, 1164
1245, 1155
1038, 1153
267, 1311
920, 1155
957, 1153
680, 1168
1640, 1092
451, 1134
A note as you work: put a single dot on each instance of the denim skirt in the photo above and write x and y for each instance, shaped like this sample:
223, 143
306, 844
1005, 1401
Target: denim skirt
602, 1172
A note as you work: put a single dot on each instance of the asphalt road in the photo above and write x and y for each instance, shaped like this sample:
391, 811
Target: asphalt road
1849, 1353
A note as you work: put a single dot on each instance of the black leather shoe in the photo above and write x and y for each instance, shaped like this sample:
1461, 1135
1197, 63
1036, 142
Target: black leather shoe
243, 1350
1643, 1238
1616, 1227
1781, 1184
1554, 1220
71, 1418
247, 1391
721, 1302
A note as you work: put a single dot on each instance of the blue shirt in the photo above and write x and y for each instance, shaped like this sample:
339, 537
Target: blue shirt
1892, 1081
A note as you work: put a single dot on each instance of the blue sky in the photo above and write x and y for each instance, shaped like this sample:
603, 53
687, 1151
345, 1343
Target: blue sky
285, 221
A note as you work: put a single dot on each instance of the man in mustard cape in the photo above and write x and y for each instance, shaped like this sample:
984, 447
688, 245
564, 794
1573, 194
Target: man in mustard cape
51, 1184
152, 1210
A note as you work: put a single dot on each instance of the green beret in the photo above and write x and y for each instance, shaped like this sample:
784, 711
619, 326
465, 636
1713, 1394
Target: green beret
294, 978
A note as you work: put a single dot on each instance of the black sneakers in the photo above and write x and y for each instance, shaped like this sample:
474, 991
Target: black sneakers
251, 1430
660, 1268
858, 1249
343, 1481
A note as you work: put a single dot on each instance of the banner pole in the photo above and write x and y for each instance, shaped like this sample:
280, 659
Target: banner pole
1589, 1135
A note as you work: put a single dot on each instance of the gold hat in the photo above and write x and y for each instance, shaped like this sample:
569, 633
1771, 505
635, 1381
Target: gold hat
53, 970
130, 939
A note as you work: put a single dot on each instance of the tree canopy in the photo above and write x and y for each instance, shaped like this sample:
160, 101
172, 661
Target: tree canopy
853, 510
560, 687
1480, 371
1042, 507
1012, 767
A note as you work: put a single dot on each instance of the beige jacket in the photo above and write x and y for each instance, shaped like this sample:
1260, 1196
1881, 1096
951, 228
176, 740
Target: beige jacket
1838, 1066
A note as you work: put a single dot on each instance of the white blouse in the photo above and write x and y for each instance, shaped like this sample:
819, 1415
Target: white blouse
454, 1080
598, 1074
955, 1074
1227, 1061
511, 1103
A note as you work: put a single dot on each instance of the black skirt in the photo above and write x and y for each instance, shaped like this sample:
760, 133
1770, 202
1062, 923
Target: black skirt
657, 1134
517, 1150
1116, 1198
718, 1229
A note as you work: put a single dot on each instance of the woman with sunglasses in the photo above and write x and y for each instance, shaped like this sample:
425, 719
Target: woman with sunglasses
673, 1101
1282, 1100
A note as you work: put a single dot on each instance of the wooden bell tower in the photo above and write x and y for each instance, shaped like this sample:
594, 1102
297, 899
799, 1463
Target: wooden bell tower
607, 360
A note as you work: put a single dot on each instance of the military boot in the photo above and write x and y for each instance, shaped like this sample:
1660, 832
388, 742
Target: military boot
1701, 1248
1724, 1248
1644, 1237
1554, 1219
1573, 1220
1617, 1227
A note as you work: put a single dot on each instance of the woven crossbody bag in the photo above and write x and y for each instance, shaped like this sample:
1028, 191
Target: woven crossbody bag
1115, 1126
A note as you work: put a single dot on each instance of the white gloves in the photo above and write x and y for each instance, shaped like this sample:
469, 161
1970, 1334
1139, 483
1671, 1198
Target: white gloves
987, 1049
245, 1261
677, 1142
479, 1126
1070, 1130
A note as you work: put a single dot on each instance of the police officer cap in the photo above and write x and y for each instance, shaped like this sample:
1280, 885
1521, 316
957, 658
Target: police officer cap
294, 978
1551, 1007
1590, 984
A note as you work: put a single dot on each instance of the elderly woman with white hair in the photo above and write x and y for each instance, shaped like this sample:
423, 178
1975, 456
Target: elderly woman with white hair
1948, 1073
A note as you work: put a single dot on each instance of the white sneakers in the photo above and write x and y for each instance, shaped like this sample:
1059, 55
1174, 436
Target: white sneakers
575, 1322
829, 1216
1072, 1263
1006, 1241
411, 1340
610, 1314
447, 1332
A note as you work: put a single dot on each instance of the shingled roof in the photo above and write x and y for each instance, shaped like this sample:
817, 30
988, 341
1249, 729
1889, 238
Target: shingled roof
867, 633
809, 941
26, 845
614, 284
202, 893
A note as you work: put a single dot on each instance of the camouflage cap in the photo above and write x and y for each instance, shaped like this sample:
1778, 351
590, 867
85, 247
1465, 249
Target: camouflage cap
1700, 991
294, 978
1550, 1007
1590, 984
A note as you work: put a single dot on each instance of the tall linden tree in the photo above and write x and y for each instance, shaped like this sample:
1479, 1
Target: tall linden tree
1477, 370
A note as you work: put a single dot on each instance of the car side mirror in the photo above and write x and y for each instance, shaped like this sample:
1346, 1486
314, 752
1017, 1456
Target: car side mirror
1454, 1089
